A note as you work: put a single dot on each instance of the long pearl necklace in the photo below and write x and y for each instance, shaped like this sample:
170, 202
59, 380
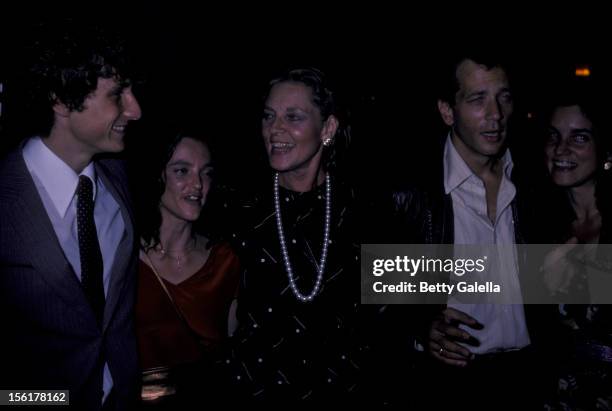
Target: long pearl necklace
285, 253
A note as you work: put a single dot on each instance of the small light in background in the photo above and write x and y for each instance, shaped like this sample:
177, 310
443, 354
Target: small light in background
583, 71
1, 90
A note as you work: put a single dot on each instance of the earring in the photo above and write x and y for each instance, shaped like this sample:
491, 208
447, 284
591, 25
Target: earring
607, 165
328, 141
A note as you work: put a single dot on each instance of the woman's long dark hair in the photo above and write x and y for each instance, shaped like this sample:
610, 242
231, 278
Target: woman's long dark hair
584, 96
151, 185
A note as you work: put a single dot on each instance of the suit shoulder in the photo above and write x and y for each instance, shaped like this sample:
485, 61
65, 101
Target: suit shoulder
114, 169
113, 165
9, 161
13, 174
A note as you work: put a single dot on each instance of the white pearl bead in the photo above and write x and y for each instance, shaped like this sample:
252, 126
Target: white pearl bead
326, 240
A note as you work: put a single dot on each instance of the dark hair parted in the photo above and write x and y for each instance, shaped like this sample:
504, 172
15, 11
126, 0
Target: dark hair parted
588, 98
151, 183
447, 84
584, 95
324, 97
68, 58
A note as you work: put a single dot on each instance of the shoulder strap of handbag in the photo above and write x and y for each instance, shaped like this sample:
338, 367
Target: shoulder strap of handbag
176, 308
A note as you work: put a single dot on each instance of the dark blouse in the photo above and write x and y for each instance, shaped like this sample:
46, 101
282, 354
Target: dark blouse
204, 300
285, 348
584, 367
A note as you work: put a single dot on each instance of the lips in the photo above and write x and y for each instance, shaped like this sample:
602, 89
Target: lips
564, 165
194, 198
492, 135
280, 147
119, 128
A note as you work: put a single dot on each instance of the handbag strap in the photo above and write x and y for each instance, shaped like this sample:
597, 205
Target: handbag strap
176, 308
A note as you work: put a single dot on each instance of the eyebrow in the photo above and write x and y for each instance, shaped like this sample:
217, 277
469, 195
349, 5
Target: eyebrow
187, 163
116, 89
581, 130
288, 109
475, 94
572, 130
484, 92
179, 163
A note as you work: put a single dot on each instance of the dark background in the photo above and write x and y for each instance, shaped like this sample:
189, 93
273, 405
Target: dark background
210, 67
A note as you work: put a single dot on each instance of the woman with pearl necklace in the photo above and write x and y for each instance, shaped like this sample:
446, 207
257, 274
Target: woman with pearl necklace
298, 301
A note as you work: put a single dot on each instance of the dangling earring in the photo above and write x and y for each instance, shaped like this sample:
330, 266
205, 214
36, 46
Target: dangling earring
327, 141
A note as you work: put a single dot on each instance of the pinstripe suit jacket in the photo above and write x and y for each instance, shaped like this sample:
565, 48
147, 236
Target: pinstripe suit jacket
50, 337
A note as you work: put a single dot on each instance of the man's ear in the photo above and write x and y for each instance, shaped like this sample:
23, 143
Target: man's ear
446, 111
329, 128
60, 108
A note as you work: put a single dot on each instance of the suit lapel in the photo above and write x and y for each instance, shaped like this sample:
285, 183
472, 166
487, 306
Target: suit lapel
35, 233
124, 252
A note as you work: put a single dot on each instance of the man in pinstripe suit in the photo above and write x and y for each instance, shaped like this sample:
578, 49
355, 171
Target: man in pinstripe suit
52, 336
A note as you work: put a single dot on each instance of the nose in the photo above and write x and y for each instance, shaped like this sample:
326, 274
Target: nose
197, 182
561, 147
131, 107
277, 124
494, 110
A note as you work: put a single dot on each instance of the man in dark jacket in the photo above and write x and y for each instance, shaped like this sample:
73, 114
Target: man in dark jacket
67, 241
471, 197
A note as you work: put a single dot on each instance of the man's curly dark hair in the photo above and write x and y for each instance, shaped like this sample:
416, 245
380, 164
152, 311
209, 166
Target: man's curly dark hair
68, 58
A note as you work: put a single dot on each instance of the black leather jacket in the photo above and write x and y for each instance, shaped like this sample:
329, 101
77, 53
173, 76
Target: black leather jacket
423, 212
431, 215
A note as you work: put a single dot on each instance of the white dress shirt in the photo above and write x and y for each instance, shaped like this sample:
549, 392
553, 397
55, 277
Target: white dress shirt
504, 324
56, 183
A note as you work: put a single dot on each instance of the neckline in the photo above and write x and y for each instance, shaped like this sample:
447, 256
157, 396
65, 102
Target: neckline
192, 275
295, 195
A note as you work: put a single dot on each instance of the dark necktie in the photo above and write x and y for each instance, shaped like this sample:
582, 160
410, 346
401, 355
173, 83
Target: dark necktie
89, 248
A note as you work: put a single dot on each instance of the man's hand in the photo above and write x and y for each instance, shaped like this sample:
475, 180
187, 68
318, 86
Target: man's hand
445, 335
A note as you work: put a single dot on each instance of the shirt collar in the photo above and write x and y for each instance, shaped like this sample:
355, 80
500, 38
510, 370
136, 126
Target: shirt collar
456, 170
59, 180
